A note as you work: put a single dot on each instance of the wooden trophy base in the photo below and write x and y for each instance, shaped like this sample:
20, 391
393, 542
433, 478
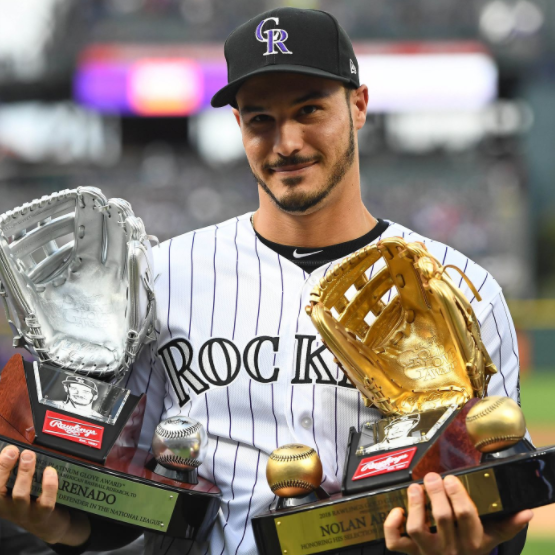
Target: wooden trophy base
123, 488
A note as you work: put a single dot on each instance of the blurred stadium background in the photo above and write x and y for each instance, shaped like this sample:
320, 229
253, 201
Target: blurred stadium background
459, 145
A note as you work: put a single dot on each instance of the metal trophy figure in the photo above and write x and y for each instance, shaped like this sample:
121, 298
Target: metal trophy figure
408, 339
76, 279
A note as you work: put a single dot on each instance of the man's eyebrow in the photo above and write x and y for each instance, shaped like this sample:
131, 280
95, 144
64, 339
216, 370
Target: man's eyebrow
314, 95
250, 109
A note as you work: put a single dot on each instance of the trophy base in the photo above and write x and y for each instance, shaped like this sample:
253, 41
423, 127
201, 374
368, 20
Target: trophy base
120, 486
498, 488
184, 476
437, 442
286, 502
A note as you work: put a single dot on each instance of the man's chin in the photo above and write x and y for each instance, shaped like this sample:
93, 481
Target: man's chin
299, 203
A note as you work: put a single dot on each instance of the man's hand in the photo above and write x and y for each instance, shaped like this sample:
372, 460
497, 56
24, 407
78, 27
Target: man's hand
42, 517
459, 529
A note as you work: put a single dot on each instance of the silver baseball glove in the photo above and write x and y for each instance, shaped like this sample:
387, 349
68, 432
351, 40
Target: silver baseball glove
76, 280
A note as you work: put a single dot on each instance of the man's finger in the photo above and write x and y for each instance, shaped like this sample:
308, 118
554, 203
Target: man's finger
499, 531
417, 527
21, 493
8, 458
469, 526
392, 528
47, 500
441, 509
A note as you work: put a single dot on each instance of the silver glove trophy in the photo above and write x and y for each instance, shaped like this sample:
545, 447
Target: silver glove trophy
77, 281
86, 305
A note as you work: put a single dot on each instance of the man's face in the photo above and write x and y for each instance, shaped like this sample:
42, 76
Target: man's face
298, 135
80, 394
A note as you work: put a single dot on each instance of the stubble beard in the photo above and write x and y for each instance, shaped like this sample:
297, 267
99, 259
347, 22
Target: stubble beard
299, 202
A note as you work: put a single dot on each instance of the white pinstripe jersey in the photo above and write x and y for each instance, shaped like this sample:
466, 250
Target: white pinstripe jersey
238, 353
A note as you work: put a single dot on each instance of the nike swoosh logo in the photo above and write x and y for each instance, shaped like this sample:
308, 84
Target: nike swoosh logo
298, 255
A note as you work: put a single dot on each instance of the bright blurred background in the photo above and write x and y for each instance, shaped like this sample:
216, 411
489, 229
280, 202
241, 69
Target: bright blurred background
459, 144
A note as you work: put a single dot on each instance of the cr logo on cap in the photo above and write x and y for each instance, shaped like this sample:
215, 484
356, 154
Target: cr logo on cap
274, 37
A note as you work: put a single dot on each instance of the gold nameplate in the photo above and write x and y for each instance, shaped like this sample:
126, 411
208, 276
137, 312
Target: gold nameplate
102, 494
360, 520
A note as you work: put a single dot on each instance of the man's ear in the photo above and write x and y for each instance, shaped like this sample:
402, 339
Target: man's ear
360, 104
237, 116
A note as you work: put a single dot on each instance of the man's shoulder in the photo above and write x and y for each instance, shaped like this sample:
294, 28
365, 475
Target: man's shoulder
482, 280
223, 229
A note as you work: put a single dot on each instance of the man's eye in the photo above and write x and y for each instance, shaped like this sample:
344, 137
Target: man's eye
260, 118
307, 110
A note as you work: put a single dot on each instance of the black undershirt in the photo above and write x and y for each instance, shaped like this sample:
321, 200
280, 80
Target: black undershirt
319, 256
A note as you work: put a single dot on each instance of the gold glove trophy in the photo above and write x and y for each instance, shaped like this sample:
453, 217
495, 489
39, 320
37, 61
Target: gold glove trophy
420, 360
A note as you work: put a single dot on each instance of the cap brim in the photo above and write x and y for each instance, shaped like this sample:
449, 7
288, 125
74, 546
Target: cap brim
227, 94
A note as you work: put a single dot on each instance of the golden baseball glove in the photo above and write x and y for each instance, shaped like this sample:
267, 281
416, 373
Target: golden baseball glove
423, 350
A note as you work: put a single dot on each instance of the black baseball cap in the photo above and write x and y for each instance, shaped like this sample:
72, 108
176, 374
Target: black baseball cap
310, 42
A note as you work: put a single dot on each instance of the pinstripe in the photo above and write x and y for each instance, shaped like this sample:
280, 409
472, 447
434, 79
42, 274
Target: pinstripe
232, 494
259, 285
171, 543
168, 394
192, 276
237, 279
500, 349
474, 296
250, 503
335, 434
275, 354
149, 376
252, 413
513, 342
170, 285
214, 466
215, 280
207, 415
235, 315
464, 271
296, 330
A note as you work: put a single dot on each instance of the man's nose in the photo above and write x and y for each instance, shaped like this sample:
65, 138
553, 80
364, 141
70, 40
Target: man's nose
289, 139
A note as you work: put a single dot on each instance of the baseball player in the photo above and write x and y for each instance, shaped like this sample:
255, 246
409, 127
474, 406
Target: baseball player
235, 348
81, 394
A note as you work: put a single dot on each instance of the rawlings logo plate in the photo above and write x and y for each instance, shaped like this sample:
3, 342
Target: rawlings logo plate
73, 429
382, 464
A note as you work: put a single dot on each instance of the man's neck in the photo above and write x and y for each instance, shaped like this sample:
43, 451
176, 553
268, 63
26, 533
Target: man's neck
336, 222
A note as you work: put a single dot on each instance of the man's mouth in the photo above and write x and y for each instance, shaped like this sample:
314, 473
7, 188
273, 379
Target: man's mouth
293, 169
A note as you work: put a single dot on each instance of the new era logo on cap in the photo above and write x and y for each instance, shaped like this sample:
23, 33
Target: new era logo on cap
353, 67
274, 37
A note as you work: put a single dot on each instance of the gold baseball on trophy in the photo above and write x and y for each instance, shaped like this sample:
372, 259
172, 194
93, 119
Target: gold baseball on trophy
294, 470
495, 423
